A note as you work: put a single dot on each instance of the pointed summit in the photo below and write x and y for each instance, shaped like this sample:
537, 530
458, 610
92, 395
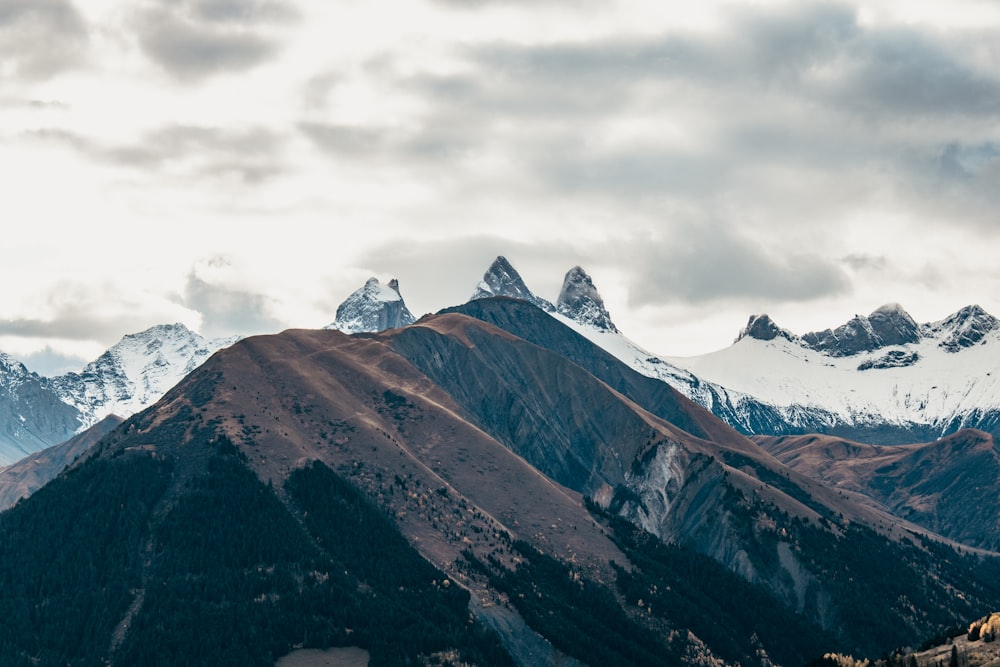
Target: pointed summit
502, 279
762, 327
965, 328
580, 301
374, 307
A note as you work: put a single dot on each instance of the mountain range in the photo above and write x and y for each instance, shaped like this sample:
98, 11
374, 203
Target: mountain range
881, 378
508, 481
484, 486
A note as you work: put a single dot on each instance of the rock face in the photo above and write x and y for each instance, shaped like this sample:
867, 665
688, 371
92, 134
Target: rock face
762, 327
373, 307
888, 325
502, 279
32, 412
580, 301
963, 329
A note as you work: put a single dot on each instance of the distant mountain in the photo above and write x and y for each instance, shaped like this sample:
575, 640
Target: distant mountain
881, 378
32, 412
948, 485
373, 307
136, 371
502, 279
580, 301
450, 492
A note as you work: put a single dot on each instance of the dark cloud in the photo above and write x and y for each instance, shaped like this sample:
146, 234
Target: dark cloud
346, 140
226, 310
71, 324
194, 39
711, 262
40, 38
862, 262
916, 73
248, 155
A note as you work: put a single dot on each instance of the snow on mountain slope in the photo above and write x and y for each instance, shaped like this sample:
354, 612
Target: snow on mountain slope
946, 375
32, 416
373, 307
136, 371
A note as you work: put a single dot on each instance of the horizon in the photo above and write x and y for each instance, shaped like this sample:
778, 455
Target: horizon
75, 365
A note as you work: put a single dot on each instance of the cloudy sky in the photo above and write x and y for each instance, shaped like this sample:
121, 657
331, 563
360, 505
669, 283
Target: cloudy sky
243, 165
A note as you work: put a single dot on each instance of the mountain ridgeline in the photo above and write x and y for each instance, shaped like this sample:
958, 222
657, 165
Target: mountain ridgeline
484, 486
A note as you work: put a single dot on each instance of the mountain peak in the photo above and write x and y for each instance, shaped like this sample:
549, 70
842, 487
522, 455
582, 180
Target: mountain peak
373, 307
502, 279
964, 328
887, 325
580, 301
762, 327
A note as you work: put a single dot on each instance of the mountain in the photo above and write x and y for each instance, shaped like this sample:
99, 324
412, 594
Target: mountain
502, 279
32, 412
312, 489
579, 301
948, 485
34, 471
373, 307
136, 371
881, 378
886, 326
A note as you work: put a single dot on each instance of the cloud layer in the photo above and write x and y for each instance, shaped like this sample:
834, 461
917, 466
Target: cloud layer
798, 157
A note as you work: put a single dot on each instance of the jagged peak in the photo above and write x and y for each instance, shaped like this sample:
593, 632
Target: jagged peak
964, 328
579, 300
502, 279
887, 325
373, 307
762, 327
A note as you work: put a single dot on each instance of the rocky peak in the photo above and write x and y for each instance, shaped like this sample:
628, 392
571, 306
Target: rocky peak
502, 279
964, 328
762, 327
887, 325
580, 301
373, 307
893, 326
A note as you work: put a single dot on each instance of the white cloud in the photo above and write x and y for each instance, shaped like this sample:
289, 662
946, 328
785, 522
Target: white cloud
807, 159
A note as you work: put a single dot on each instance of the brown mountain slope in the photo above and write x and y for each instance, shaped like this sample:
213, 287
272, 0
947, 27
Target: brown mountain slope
948, 486
472, 438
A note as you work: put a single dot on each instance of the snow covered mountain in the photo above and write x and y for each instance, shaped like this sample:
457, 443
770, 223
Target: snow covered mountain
580, 301
881, 378
136, 371
32, 414
877, 378
373, 307
502, 279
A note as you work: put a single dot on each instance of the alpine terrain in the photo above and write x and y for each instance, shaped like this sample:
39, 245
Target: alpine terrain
38, 412
484, 486
373, 307
881, 378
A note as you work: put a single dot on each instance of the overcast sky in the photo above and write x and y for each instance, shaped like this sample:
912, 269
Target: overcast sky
243, 165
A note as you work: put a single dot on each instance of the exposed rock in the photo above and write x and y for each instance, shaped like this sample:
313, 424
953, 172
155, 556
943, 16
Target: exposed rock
580, 301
